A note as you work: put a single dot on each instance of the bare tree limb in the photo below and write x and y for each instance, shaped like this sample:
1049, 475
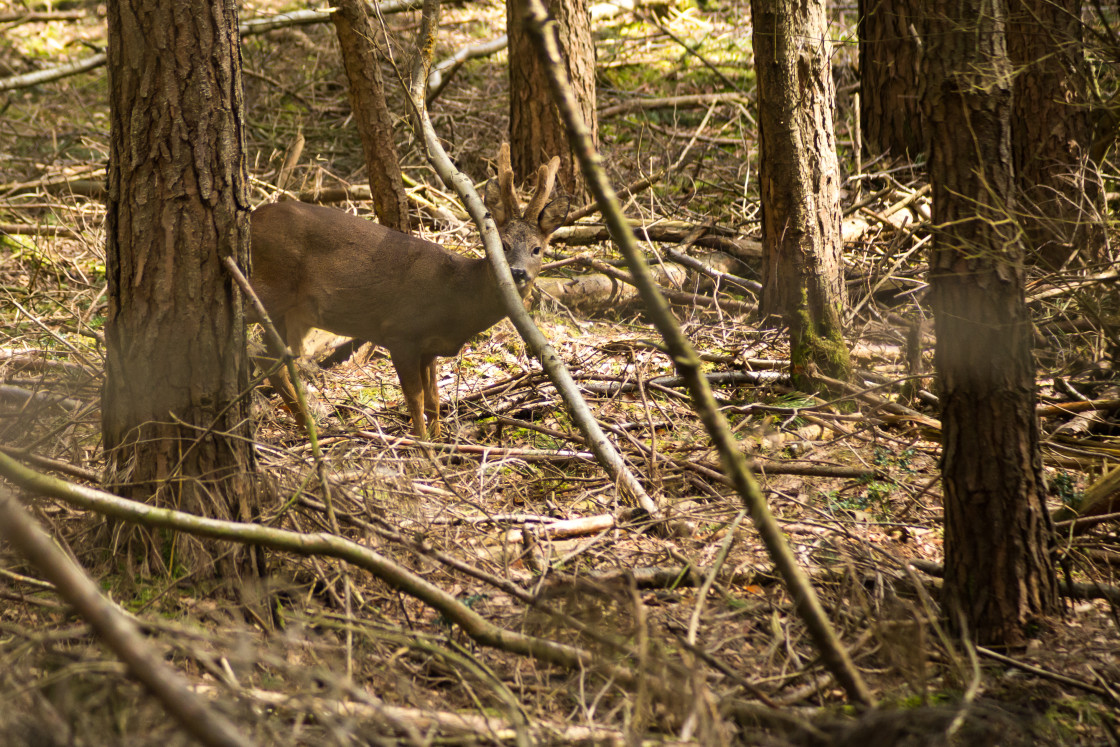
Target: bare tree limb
605, 452
115, 628
445, 69
672, 102
46, 76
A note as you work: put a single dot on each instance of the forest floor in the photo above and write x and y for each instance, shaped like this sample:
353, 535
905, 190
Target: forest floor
511, 515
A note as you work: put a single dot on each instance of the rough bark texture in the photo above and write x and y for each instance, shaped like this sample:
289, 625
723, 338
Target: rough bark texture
890, 44
175, 420
800, 182
536, 130
998, 571
1058, 196
356, 38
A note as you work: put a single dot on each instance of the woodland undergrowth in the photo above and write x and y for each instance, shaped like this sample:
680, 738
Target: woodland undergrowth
510, 514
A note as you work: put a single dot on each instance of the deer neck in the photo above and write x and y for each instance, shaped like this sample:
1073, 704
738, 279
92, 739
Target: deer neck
483, 307
484, 283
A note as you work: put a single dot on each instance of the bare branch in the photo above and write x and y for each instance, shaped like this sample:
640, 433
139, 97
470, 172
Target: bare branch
472, 623
115, 628
605, 452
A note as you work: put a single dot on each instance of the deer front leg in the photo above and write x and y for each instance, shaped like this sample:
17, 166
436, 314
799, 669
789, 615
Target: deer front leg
412, 376
273, 361
430, 373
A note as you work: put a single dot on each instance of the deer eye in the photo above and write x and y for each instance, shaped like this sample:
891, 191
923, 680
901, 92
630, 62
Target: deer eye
505, 246
536, 250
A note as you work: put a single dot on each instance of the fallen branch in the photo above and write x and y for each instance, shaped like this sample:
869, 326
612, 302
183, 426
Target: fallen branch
46, 76
565, 528
671, 102
89, 183
1076, 590
114, 627
478, 628
444, 70
18, 17
1102, 497
1077, 526
677, 297
37, 360
25, 398
453, 727
674, 232
1045, 673
497, 452
1070, 408
718, 276
54, 465
24, 229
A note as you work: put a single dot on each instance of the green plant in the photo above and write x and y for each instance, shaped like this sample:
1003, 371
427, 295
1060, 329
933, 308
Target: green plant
1065, 487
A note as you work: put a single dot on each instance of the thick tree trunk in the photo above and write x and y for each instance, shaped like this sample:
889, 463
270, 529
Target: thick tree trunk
536, 130
175, 418
800, 183
998, 571
1058, 197
356, 37
890, 45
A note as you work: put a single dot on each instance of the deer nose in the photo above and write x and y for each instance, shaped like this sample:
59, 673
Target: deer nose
519, 276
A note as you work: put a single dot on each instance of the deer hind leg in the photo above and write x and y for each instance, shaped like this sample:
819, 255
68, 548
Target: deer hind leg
430, 374
412, 375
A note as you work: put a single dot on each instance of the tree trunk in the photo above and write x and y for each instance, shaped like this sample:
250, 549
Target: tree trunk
890, 45
536, 130
356, 37
998, 571
800, 182
1058, 195
175, 418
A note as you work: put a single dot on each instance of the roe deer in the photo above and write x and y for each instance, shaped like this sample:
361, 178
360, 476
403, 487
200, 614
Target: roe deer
320, 267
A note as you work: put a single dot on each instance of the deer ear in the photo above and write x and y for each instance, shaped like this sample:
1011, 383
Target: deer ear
494, 203
553, 215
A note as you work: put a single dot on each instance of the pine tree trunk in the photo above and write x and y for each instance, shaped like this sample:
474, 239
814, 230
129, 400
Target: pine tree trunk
356, 39
890, 44
175, 418
803, 281
998, 571
1058, 197
536, 130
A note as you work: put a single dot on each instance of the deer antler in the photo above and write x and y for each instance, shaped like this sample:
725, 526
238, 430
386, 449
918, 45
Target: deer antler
546, 180
505, 183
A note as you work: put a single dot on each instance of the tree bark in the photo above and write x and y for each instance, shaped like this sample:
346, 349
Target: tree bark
890, 46
356, 39
1058, 194
998, 571
537, 132
175, 420
800, 183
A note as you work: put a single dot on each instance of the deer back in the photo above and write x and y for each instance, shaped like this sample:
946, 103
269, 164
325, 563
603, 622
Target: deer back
316, 266
320, 267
